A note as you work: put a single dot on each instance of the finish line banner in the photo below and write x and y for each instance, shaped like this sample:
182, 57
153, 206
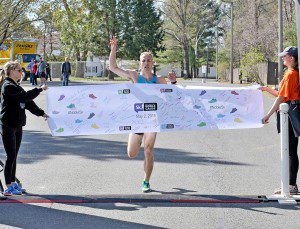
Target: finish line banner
138, 108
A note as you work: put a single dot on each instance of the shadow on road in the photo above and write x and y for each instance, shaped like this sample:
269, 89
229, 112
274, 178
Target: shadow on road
80, 214
33, 216
37, 146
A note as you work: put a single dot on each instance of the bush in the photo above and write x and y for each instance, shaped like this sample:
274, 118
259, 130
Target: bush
223, 65
249, 64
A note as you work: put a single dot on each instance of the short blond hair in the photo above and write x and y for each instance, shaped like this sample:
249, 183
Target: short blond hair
146, 53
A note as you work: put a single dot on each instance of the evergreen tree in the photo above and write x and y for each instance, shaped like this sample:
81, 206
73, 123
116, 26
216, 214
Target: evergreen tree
141, 28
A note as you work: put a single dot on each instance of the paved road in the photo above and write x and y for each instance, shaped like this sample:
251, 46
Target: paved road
221, 164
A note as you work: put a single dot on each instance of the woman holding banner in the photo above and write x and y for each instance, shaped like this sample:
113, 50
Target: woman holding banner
289, 93
14, 101
145, 76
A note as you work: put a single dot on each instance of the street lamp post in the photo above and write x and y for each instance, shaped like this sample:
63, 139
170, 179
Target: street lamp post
217, 51
231, 39
217, 47
231, 43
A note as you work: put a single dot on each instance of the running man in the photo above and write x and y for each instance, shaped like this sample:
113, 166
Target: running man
145, 76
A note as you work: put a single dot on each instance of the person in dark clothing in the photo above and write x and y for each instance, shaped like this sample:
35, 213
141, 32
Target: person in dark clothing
42, 71
48, 71
14, 101
66, 71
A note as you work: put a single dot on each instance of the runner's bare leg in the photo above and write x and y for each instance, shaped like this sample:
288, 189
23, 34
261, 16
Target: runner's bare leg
149, 141
134, 145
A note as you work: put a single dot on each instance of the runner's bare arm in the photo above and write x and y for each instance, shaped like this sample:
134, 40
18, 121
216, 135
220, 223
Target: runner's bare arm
171, 77
113, 63
161, 80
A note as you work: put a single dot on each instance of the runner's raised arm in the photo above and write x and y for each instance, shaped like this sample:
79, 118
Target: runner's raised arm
131, 74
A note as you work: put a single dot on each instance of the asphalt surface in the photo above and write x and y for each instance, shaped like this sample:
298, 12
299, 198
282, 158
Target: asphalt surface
226, 165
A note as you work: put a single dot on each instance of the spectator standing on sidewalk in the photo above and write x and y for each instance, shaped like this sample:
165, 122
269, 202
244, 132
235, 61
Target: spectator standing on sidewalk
42, 70
48, 71
66, 71
34, 70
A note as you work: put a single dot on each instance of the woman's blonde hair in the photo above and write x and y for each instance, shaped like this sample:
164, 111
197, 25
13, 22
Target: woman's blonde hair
7, 68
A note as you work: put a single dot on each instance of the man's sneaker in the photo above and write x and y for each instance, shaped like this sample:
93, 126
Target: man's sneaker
11, 191
293, 190
146, 186
18, 186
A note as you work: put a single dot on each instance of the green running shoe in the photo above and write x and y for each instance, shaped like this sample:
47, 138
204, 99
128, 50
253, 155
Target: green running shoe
146, 186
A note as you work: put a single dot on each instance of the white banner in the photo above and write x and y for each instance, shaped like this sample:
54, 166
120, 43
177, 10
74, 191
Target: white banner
138, 108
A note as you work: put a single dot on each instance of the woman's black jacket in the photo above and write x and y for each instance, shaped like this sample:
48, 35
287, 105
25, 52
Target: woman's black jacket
14, 101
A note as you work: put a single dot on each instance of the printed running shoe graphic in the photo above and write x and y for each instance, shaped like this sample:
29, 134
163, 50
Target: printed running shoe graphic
203, 93
91, 115
72, 105
92, 96
201, 124
61, 97
238, 120
221, 116
234, 93
60, 130
233, 110
213, 100
95, 126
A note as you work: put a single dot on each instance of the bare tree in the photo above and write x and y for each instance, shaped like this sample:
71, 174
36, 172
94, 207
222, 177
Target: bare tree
186, 23
14, 17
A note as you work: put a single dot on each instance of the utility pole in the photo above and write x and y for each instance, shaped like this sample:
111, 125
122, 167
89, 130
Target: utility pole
297, 3
207, 57
231, 39
280, 39
44, 45
231, 43
217, 51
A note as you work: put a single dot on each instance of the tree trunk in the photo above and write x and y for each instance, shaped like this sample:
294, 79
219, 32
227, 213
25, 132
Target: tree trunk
84, 55
207, 62
186, 57
77, 55
182, 67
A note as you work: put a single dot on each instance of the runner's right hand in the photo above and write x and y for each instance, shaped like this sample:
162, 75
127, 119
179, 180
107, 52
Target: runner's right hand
113, 42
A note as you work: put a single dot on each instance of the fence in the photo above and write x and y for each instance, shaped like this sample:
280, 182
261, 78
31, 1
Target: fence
80, 69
